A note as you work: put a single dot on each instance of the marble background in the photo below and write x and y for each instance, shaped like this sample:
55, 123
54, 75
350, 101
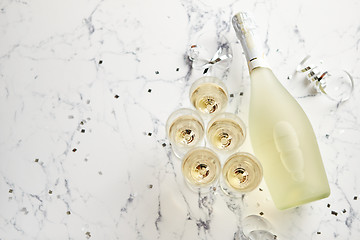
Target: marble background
86, 87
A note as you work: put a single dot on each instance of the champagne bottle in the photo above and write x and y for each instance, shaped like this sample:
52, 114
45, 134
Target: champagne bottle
281, 134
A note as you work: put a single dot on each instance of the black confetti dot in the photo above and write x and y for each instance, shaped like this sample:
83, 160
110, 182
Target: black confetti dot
261, 213
355, 197
156, 72
116, 96
150, 186
74, 150
344, 210
164, 144
68, 212
177, 69
231, 95
149, 90
260, 189
318, 232
10, 190
82, 130
334, 213
149, 134
241, 93
36, 160
328, 205
101, 61
50, 192
327, 135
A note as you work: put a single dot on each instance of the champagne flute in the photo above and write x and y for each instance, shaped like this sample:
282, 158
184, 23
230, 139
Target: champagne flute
241, 173
226, 132
185, 130
209, 95
201, 169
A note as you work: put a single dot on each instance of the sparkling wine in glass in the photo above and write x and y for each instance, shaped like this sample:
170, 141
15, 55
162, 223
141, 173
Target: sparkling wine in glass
209, 95
201, 169
226, 131
185, 130
241, 173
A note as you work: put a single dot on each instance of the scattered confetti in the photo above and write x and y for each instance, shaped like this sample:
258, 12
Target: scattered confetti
10, 190
261, 213
344, 210
328, 205
327, 135
88, 235
156, 72
149, 134
318, 232
100, 62
241, 93
177, 69
116, 96
260, 189
82, 130
74, 150
289, 77
334, 213
164, 144
149, 90
36, 160
150, 186
100, 173
355, 197
231, 95
50, 192
68, 212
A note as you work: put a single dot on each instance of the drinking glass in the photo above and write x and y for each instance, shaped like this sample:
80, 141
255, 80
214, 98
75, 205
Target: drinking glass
201, 169
209, 95
226, 132
241, 173
185, 130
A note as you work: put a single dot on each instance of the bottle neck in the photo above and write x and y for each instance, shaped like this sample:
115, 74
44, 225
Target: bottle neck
254, 53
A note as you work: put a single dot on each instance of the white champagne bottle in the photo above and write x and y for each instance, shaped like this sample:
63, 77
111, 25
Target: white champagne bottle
280, 132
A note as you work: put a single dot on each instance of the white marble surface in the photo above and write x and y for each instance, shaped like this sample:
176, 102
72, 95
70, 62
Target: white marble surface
63, 62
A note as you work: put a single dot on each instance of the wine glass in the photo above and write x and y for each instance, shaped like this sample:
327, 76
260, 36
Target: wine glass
209, 95
185, 130
226, 132
241, 173
201, 169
